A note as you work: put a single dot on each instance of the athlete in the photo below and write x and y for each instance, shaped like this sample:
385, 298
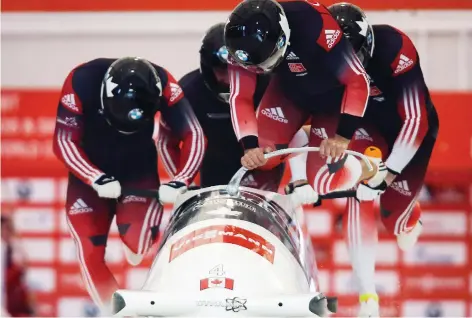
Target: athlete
400, 127
104, 136
314, 72
207, 90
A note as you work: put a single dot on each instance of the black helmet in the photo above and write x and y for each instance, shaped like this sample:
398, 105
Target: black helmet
130, 94
353, 22
214, 55
257, 34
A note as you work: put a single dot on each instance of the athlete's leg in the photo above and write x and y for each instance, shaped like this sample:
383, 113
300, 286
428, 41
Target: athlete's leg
138, 219
89, 218
329, 174
301, 140
361, 236
400, 211
360, 231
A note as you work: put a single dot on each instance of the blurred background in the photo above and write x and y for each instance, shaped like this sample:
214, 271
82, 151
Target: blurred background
42, 40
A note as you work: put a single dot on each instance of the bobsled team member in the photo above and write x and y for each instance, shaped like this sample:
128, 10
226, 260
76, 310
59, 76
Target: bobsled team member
207, 90
400, 127
400, 113
104, 136
314, 72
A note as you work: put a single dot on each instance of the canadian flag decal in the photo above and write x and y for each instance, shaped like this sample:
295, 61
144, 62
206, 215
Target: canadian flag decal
216, 282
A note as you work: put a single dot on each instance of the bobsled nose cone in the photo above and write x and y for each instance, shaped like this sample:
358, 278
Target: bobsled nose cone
320, 303
118, 303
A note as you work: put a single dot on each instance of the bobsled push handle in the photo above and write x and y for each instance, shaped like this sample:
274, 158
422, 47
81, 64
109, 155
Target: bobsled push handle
145, 193
233, 185
339, 194
335, 195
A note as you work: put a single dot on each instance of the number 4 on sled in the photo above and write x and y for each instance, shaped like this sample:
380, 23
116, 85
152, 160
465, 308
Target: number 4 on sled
217, 270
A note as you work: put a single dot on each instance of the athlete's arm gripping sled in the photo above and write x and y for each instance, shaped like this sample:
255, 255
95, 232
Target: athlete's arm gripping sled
176, 124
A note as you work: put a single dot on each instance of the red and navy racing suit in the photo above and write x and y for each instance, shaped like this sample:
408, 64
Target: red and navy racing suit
89, 147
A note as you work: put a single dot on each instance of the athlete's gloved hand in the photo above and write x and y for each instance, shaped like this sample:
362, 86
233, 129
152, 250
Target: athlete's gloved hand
367, 193
168, 192
375, 186
301, 193
107, 187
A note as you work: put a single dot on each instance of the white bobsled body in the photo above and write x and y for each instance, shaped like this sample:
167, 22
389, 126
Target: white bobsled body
224, 252
219, 241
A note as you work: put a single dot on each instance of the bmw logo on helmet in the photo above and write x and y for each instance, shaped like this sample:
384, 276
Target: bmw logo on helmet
242, 55
223, 54
369, 38
281, 42
135, 114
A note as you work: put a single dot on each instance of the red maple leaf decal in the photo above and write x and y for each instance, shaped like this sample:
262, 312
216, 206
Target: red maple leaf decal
216, 281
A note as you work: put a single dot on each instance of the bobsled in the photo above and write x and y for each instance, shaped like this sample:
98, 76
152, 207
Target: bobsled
231, 250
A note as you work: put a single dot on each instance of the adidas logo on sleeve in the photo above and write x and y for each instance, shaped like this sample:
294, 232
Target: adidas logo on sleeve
68, 101
331, 37
404, 63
